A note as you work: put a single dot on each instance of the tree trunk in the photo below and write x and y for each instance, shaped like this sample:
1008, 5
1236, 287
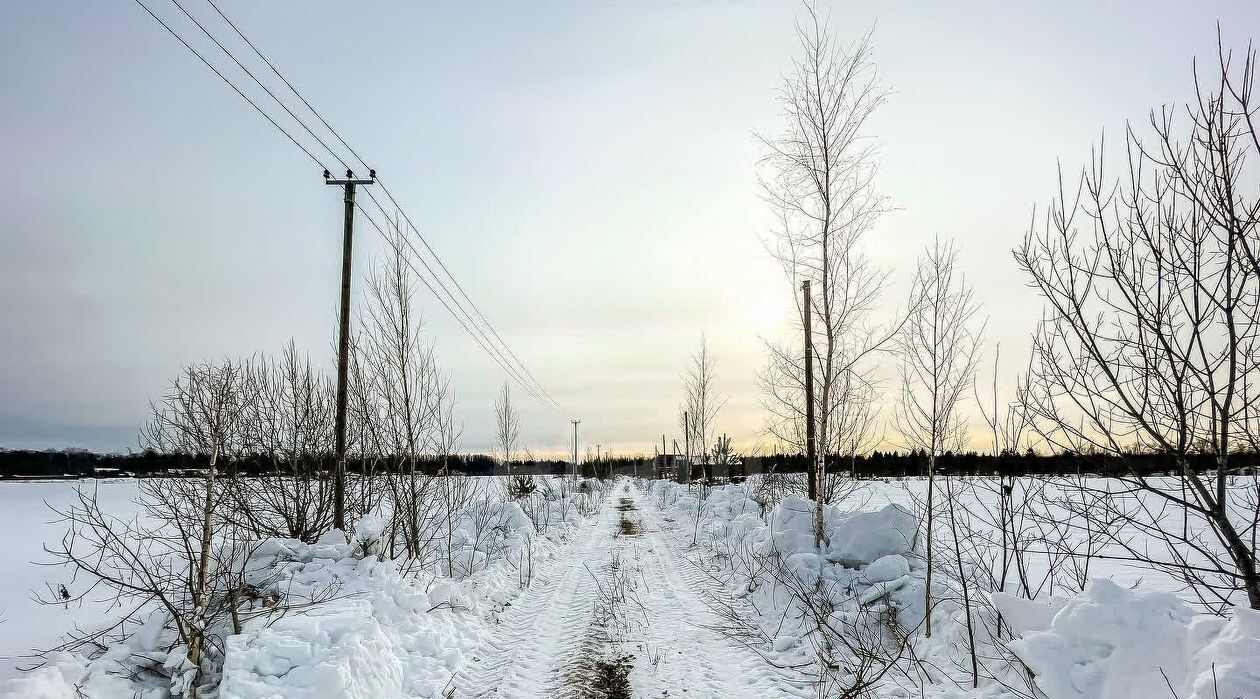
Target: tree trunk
927, 588
203, 571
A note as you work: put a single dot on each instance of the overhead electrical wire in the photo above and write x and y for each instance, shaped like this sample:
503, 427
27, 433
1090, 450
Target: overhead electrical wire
232, 85
500, 352
511, 372
293, 88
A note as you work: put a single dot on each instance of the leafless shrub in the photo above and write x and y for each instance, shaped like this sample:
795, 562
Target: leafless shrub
939, 349
406, 411
170, 562
287, 425
1149, 340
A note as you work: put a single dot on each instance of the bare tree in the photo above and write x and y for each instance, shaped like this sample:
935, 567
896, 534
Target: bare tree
1149, 340
507, 427
456, 489
1010, 427
939, 357
701, 400
819, 177
856, 430
287, 428
199, 416
406, 404
172, 561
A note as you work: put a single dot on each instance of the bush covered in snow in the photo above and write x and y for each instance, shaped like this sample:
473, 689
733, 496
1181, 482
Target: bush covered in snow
853, 609
347, 616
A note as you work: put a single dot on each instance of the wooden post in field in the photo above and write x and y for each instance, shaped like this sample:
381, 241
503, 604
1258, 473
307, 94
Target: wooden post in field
575, 460
816, 470
343, 341
810, 457
687, 444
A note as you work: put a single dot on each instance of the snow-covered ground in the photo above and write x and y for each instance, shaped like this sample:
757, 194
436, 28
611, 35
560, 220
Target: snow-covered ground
28, 520
660, 593
852, 614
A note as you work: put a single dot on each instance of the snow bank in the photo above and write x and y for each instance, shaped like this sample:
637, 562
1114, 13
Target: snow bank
853, 539
355, 626
67, 677
1109, 642
1113, 643
376, 633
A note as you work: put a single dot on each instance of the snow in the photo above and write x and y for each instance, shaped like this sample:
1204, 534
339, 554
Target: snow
711, 601
1113, 643
859, 538
26, 512
886, 568
1107, 642
384, 633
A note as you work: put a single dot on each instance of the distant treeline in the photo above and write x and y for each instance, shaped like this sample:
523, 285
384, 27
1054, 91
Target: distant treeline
84, 464
892, 464
76, 463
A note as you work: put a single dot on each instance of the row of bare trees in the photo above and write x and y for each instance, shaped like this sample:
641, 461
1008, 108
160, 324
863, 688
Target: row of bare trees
1149, 339
1147, 342
189, 554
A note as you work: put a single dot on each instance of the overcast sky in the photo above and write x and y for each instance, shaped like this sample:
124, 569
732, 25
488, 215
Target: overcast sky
586, 170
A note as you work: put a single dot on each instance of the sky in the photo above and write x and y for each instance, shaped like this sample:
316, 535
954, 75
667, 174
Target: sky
587, 171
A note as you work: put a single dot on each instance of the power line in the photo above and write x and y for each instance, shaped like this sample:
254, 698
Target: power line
520, 370
388, 193
520, 366
288, 84
462, 292
232, 85
266, 89
511, 372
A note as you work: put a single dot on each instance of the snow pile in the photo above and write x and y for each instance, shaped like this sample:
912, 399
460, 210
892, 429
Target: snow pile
354, 625
376, 631
1108, 642
371, 631
67, 677
852, 539
867, 569
1113, 643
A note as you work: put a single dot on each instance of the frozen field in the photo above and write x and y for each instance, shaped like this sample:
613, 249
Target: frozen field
29, 522
653, 593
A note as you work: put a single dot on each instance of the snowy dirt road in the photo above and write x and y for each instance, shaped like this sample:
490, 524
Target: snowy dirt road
623, 614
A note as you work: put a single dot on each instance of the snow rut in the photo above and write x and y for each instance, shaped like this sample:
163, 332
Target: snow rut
621, 615
542, 627
696, 659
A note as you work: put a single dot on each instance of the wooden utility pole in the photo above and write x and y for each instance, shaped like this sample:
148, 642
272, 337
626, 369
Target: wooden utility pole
687, 444
343, 341
809, 395
575, 462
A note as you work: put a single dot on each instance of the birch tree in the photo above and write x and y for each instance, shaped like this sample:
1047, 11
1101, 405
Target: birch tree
507, 427
198, 416
405, 398
818, 175
939, 348
701, 400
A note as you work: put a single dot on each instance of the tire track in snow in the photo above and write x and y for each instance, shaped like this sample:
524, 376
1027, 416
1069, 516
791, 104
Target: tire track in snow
543, 626
696, 660
549, 635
